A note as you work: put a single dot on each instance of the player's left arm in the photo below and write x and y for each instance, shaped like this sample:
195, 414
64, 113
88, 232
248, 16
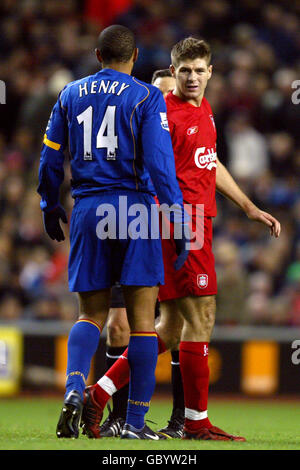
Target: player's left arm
158, 153
226, 185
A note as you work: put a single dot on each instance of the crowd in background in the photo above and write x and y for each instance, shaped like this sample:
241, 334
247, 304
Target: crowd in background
44, 45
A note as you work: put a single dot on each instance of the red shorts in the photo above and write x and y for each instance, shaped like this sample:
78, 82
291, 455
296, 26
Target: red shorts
198, 275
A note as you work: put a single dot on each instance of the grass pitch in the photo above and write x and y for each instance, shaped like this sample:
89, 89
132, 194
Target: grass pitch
29, 424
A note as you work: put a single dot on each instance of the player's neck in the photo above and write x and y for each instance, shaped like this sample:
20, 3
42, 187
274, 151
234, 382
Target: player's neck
119, 67
193, 101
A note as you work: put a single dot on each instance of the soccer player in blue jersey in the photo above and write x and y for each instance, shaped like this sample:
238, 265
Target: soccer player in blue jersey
121, 156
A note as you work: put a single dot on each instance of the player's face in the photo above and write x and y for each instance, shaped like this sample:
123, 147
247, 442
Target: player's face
191, 79
165, 84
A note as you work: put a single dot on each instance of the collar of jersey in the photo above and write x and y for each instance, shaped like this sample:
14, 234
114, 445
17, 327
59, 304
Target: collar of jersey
181, 103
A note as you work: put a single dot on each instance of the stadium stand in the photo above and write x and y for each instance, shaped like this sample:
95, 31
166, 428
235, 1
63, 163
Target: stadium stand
44, 45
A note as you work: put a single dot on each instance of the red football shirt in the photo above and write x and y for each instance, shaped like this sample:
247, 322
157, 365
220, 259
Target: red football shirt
194, 138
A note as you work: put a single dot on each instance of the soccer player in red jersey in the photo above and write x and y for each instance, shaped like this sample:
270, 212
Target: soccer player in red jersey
189, 293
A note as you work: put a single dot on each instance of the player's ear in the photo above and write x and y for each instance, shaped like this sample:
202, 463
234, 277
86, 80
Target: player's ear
135, 55
172, 70
98, 55
210, 69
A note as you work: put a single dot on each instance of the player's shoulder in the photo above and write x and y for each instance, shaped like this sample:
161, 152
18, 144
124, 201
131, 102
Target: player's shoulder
206, 105
174, 103
70, 88
170, 101
176, 109
152, 92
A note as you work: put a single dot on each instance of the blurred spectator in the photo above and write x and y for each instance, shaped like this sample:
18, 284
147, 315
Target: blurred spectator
11, 309
293, 270
35, 110
247, 149
32, 276
45, 308
292, 291
293, 315
255, 47
232, 283
259, 305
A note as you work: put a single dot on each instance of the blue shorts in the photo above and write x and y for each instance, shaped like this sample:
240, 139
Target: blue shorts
101, 251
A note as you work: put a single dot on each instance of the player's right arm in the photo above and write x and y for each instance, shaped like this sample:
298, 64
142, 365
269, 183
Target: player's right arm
51, 171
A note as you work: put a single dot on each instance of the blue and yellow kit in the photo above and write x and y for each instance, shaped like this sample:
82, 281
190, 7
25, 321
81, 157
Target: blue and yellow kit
117, 132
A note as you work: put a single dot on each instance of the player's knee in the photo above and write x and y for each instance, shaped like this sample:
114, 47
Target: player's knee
94, 306
175, 340
207, 321
170, 336
201, 317
117, 336
118, 331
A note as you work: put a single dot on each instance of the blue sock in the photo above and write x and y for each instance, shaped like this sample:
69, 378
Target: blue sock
142, 358
82, 344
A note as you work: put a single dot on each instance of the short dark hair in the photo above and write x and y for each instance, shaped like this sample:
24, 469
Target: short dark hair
189, 49
160, 74
116, 43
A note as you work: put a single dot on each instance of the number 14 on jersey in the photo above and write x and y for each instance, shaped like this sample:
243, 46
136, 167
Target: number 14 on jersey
106, 136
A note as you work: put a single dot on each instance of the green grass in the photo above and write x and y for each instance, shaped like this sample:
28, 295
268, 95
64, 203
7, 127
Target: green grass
29, 424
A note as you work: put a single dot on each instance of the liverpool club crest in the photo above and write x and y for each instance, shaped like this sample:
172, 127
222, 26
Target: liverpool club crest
202, 281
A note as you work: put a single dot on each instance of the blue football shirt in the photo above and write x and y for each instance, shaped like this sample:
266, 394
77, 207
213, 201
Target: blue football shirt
117, 131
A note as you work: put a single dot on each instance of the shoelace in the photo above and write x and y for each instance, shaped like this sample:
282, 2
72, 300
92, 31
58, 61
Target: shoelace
149, 421
109, 420
175, 422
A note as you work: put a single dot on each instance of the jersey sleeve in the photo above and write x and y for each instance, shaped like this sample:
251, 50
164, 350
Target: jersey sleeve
51, 170
158, 154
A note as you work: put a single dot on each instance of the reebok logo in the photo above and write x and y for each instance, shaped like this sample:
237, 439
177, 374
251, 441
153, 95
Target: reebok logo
192, 130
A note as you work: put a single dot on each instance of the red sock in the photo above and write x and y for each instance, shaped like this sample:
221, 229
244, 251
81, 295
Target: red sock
193, 358
101, 395
119, 375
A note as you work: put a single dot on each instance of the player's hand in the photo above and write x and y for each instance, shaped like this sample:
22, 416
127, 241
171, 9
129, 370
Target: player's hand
182, 246
265, 218
52, 225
